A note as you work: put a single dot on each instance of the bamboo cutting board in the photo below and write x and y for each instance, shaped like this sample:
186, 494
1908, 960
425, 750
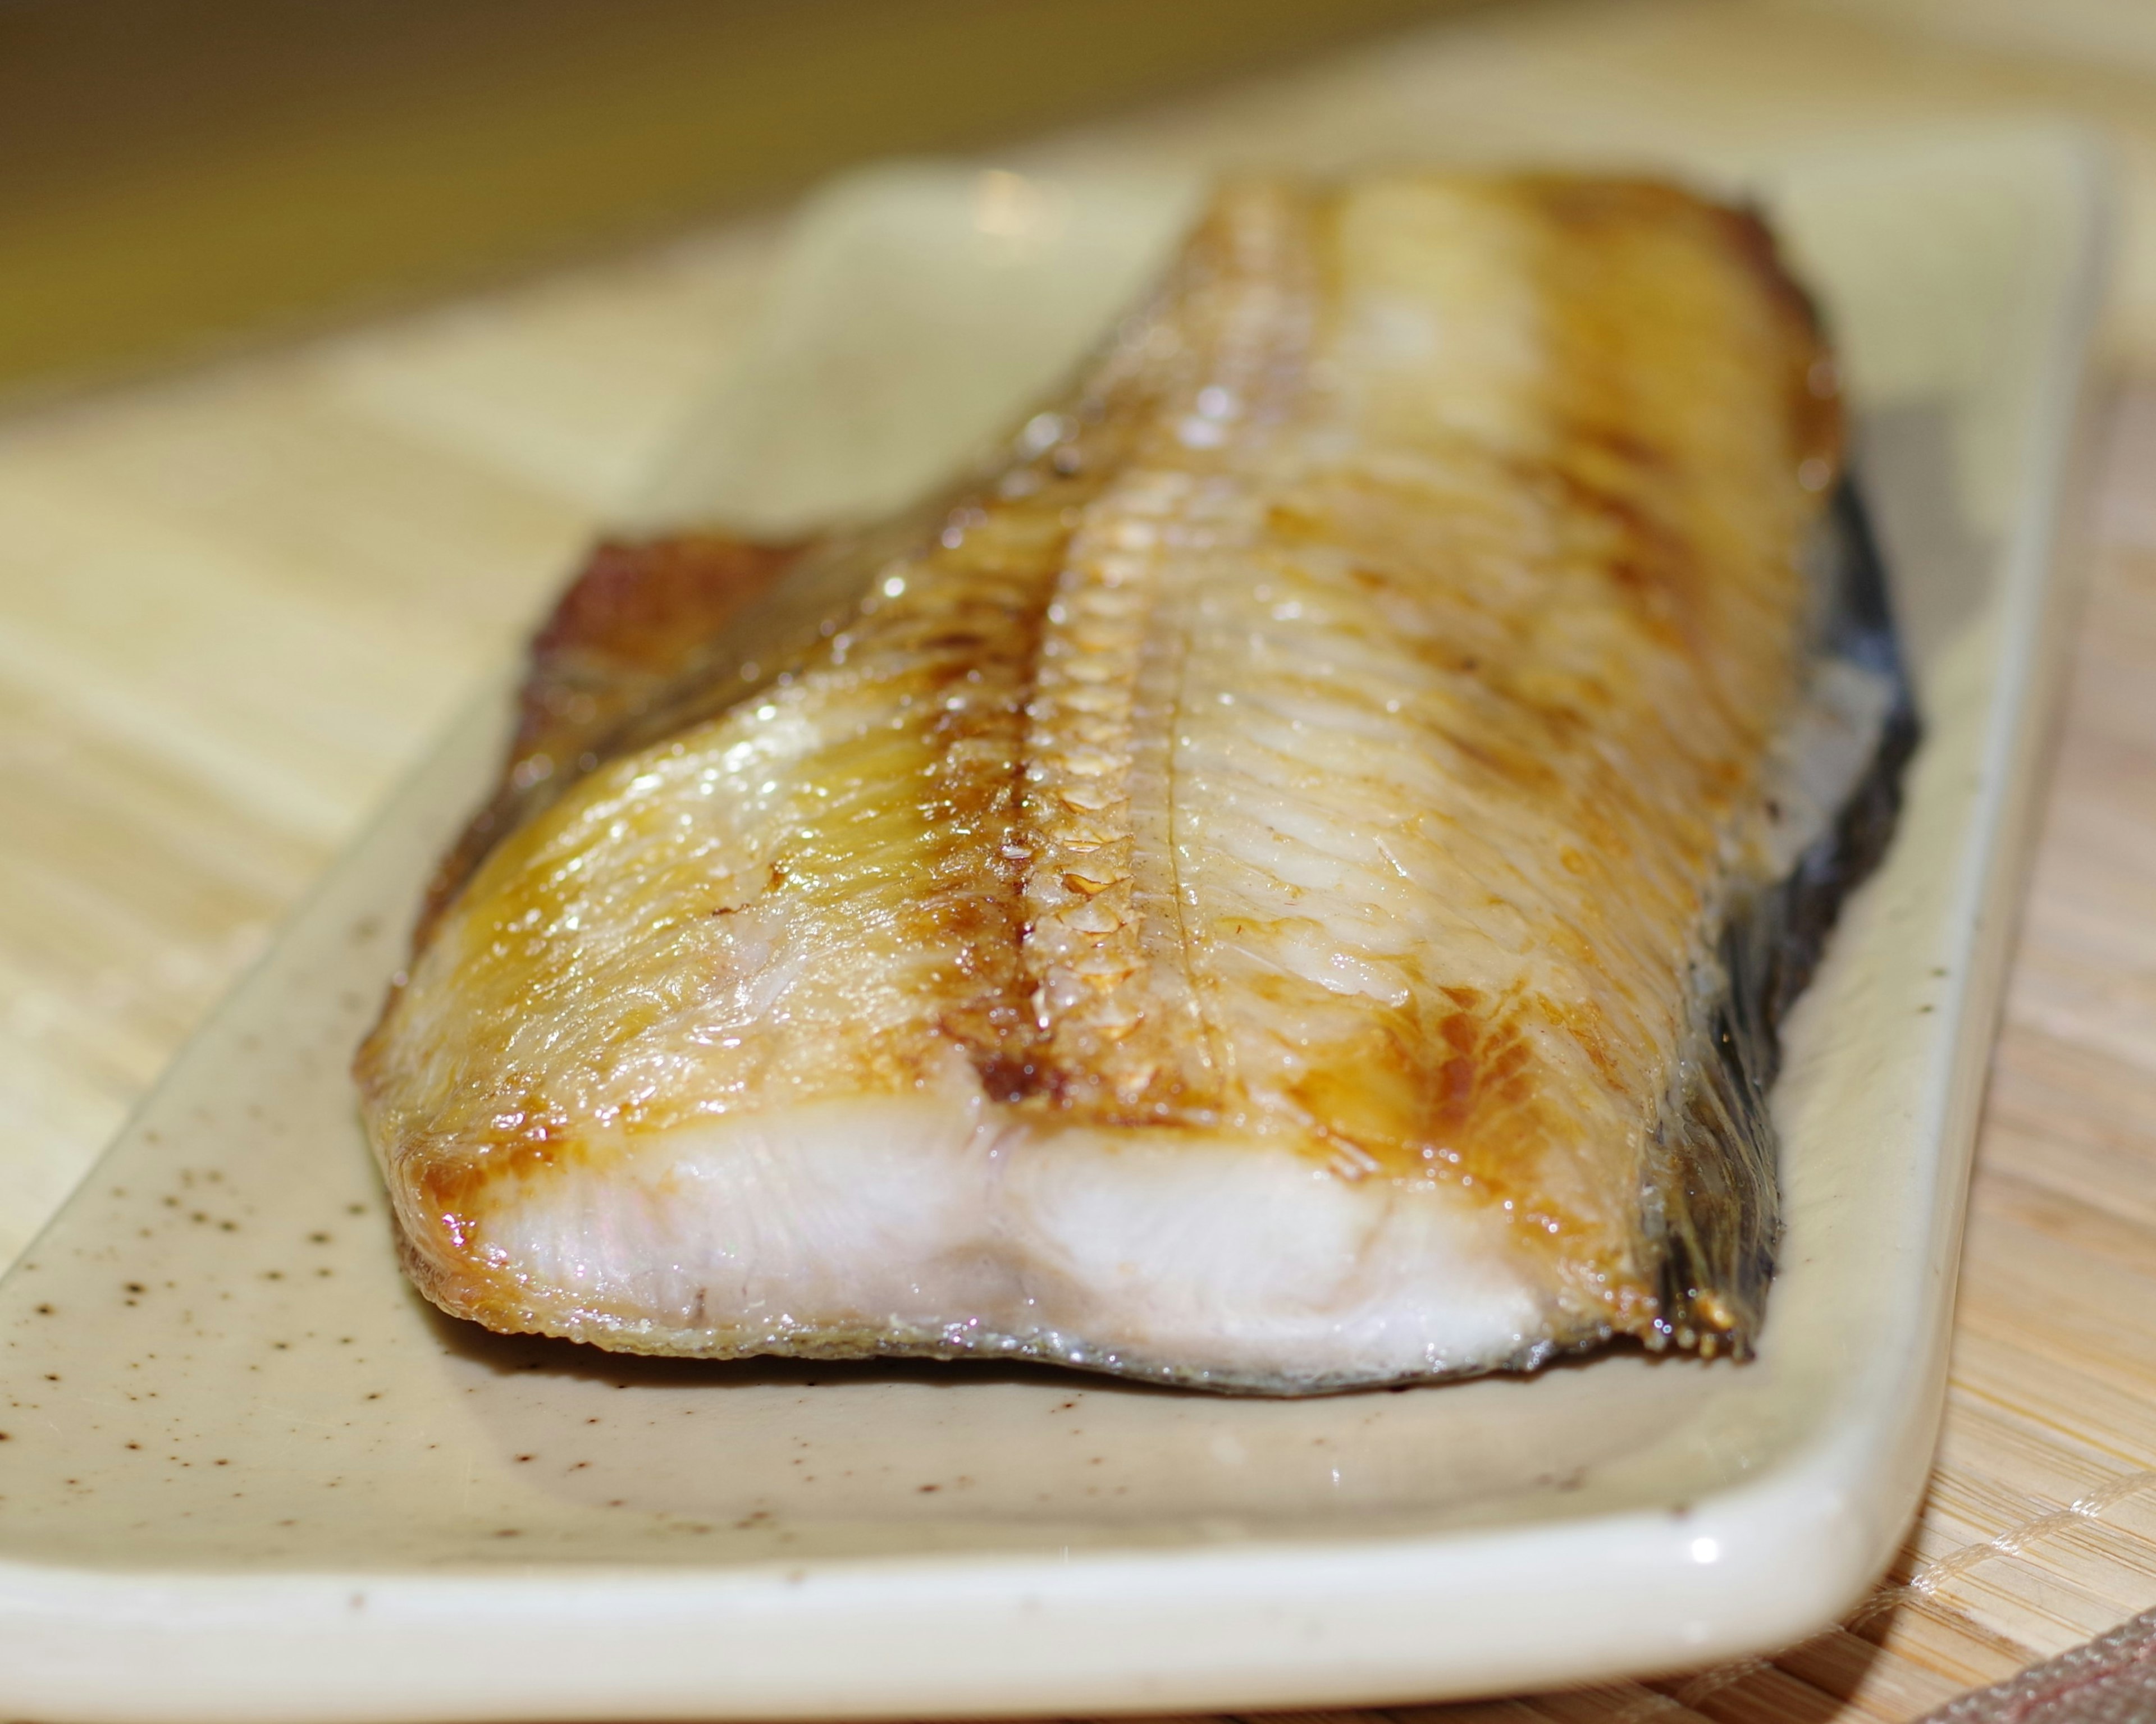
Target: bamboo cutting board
235, 606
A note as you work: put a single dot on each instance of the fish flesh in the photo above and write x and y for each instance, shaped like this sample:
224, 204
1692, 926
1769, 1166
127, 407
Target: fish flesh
1291, 881
1288, 879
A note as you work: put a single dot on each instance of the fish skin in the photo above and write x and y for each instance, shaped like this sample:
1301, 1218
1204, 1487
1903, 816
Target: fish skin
633, 632
1242, 898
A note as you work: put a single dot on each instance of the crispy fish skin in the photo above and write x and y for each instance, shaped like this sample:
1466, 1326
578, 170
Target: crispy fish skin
1242, 898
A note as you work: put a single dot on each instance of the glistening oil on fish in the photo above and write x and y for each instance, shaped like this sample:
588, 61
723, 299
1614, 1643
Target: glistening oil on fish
1291, 882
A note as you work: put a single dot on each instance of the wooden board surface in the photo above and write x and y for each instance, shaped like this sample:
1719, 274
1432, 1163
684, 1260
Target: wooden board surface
235, 606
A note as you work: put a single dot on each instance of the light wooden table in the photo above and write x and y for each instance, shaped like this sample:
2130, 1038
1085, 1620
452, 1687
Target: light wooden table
235, 606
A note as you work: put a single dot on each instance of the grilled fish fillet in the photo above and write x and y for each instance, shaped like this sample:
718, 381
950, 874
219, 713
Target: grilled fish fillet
1290, 883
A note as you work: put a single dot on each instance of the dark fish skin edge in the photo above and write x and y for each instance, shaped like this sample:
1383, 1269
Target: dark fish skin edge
1714, 1188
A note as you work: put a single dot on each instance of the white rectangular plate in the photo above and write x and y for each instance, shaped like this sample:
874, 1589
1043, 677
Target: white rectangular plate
248, 1473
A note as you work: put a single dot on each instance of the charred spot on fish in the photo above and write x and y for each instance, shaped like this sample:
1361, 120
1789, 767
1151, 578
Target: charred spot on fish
1630, 574
1007, 1078
1581, 201
1623, 445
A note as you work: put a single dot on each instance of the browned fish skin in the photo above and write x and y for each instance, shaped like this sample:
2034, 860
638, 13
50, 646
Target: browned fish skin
630, 629
1335, 736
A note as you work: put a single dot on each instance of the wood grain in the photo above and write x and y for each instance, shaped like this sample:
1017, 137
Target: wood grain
235, 606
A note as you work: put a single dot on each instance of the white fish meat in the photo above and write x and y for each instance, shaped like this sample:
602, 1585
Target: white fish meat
1291, 883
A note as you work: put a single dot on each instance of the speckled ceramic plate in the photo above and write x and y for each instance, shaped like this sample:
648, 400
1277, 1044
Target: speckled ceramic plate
247, 1474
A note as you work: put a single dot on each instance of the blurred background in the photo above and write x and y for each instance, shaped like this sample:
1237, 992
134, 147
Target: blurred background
174, 172
330, 330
